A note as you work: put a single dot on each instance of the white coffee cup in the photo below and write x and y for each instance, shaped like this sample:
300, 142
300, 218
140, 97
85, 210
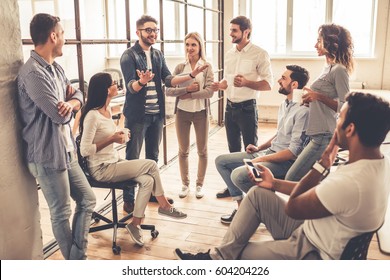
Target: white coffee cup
297, 95
126, 131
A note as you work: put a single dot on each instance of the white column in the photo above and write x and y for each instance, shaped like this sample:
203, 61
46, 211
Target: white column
20, 233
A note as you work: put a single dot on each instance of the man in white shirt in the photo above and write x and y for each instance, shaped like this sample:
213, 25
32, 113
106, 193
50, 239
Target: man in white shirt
322, 213
247, 71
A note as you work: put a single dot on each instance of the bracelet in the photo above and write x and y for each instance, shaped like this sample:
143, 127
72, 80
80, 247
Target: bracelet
141, 84
192, 77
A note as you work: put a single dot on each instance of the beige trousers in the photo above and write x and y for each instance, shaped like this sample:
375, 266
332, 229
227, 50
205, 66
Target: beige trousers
144, 171
184, 120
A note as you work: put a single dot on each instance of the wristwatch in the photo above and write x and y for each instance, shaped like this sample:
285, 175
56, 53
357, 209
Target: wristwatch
141, 84
321, 169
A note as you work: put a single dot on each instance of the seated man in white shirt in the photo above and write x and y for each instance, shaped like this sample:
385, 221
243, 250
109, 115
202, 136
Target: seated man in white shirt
322, 214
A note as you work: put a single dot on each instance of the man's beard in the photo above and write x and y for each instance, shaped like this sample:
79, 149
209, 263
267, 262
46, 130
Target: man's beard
146, 41
283, 91
237, 40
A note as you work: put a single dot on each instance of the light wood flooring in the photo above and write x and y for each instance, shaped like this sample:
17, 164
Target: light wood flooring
199, 232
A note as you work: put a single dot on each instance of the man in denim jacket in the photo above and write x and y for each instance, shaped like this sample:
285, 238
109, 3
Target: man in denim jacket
144, 70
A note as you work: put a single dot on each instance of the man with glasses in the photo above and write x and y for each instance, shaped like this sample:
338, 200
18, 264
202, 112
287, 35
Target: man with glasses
145, 70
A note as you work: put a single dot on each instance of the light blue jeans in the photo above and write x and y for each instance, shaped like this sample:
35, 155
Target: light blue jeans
310, 154
58, 186
234, 173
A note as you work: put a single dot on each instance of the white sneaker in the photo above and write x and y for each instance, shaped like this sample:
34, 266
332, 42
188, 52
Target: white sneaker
199, 193
184, 191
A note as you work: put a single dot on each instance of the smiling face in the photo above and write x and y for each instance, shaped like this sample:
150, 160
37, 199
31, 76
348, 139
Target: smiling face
320, 46
236, 33
148, 39
113, 89
340, 132
59, 40
285, 83
192, 48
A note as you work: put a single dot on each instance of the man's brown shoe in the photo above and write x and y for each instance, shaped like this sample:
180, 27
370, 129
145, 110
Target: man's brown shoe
128, 207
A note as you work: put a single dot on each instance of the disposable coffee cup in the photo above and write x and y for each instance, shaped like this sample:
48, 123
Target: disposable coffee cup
126, 131
297, 95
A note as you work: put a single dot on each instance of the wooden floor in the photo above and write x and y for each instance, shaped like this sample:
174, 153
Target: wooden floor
199, 232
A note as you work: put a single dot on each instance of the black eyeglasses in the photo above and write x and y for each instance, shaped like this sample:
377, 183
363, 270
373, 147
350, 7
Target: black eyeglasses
114, 83
150, 30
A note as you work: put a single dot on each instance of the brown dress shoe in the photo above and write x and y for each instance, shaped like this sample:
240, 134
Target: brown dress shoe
128, 207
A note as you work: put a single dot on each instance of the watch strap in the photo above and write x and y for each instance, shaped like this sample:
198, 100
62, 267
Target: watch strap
321, 169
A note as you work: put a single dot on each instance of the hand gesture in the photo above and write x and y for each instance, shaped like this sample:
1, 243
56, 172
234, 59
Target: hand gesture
193, 87
198, 69
239, 81
250, 149
329, 155
145, 76
266, 175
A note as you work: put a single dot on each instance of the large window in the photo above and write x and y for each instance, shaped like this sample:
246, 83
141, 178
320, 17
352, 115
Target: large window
290, 27
98, 32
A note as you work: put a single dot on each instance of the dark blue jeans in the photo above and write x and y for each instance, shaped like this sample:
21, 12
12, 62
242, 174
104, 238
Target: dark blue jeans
241, 120
150, 131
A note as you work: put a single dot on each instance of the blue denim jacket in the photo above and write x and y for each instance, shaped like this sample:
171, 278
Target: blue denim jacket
135, 58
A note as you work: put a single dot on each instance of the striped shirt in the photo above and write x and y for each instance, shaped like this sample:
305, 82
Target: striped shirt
38, 97
151, 98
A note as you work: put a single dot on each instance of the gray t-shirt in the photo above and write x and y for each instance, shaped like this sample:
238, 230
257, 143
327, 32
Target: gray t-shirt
333, 83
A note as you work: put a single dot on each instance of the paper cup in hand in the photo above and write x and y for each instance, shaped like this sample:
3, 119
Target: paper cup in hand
297, 95
126, 131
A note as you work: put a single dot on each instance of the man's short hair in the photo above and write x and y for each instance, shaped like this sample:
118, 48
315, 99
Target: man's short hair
41, 26
371, 117
144, 19
299, 74
244, 23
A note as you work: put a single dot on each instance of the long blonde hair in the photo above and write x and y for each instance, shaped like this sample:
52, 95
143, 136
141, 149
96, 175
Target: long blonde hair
199, 39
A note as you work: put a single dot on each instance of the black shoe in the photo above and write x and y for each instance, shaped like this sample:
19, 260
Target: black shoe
154, 199
128, 207
224, 193
188, 256
227, 219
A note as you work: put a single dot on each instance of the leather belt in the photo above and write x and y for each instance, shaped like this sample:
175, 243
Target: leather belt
241, 104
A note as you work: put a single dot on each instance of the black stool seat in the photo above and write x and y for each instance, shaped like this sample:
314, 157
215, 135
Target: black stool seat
115, 223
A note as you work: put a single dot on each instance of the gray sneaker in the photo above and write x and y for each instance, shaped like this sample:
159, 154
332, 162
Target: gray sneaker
136, 234
173, 213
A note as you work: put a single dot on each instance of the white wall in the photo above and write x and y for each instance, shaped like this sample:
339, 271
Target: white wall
20, 233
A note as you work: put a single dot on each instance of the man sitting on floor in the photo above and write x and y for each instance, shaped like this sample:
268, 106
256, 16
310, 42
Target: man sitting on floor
321, 216
279, 152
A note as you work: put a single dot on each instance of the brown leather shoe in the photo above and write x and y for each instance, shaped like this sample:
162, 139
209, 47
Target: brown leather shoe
128, 207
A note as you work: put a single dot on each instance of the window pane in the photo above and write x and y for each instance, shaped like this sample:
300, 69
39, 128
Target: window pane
153, 9
213, 4
173, 13
269, 29
92, 19
308, 15
65, 11
196, 2
358, 20
195, 20
136, 11
116, 19
211, 26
